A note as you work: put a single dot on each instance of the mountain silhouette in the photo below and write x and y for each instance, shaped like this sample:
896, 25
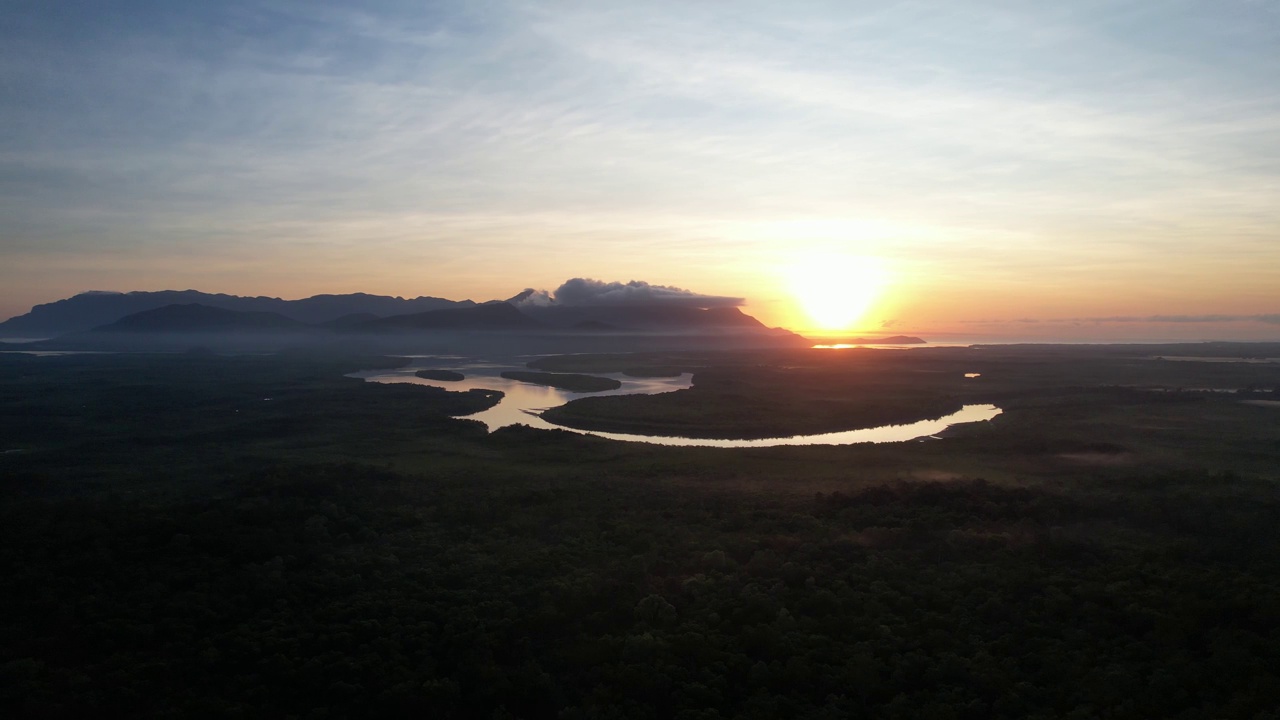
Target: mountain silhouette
196, 318
890, 340
531, 322
347, 322
489, 316
644, 318
93, 309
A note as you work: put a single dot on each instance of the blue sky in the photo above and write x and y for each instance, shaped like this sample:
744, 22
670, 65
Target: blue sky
1007, 160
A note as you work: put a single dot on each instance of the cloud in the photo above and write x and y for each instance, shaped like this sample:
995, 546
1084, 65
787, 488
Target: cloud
991, 143
530, 297
585, 292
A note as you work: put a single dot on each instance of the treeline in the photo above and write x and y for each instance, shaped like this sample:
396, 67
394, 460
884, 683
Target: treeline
345, 591
765, 402
178, 538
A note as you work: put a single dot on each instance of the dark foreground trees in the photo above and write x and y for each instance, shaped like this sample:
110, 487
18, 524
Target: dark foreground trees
338, 591
189, 537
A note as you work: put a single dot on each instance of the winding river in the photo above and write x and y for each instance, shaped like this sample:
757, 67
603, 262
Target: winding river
522, 404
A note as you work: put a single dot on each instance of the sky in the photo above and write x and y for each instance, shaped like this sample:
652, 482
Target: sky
1070, 170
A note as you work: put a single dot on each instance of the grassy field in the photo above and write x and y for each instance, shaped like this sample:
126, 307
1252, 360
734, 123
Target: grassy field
260, 536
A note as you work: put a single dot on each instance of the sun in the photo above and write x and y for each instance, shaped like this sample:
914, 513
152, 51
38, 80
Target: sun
836, 291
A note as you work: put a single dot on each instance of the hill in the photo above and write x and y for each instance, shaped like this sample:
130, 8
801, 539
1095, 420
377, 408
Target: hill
93, 309
196, 318
150, 321
490, 316
890, 340
643, 318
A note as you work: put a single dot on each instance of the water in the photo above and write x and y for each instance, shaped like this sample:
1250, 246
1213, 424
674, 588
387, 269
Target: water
57, 353
871, 346
1187, 389
1247, 360
883, 434
523, 402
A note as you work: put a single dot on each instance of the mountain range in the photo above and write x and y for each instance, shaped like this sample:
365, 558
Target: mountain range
93, 309
193, 317
176, 320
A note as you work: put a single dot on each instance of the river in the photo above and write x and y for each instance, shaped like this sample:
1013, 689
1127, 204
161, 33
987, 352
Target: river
522, 404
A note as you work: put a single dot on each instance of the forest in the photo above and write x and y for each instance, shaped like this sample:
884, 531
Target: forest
259, 536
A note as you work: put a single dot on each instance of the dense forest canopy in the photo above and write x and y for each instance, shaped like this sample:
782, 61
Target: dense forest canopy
261, 536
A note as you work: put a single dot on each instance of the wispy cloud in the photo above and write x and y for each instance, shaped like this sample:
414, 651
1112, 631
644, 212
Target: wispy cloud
984, 142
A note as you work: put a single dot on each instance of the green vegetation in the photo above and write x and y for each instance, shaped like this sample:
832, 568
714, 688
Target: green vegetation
649, 371
439, 374
96, 415
564, 381
622, 362
763, 402
175, 544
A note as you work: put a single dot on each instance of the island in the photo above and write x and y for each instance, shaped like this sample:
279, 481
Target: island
748, 403
891, 340
438, 374
572, 382
654, 371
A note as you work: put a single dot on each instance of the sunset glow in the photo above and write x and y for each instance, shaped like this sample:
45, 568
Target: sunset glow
1047, 170
835, 292
665, 359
